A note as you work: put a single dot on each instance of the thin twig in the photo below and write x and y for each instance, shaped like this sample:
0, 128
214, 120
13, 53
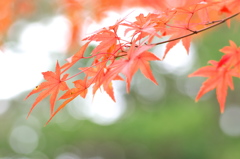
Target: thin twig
197, 31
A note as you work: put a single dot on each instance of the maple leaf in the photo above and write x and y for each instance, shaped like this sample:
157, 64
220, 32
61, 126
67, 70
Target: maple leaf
137, 58
219, 78
75, 58
233, 5
50, 87
178, 33
231, 57
80, 89
97, 78
106, 37
186, 23
142, 62
144, 26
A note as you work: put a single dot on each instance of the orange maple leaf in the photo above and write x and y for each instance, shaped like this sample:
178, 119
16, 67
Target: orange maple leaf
97, 78
219, 78
144, 26
106, 37
142, 62
231, 57
50, 87
81, 87
75, 58
178, 32
138, 58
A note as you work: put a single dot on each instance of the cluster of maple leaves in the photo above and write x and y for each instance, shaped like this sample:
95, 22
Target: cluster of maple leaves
114, 56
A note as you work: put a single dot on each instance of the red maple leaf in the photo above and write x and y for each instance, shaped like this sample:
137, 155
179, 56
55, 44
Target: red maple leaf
219, 78
50, 87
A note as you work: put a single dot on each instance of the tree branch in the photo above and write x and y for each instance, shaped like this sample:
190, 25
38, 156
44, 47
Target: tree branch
198, 31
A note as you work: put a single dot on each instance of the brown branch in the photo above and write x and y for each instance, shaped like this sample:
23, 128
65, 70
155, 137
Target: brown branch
198, 31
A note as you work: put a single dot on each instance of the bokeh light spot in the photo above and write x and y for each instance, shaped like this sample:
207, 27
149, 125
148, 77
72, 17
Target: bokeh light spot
4, 105
229, 121
67, 155
23, 139
177, 61
100, 109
